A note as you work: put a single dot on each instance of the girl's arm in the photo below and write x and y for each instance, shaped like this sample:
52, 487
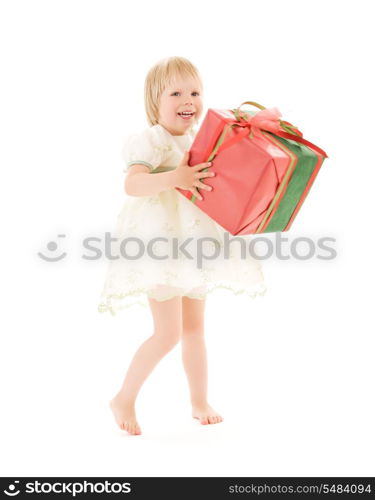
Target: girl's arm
140, 182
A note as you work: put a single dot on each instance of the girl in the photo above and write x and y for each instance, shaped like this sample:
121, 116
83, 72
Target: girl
165, 276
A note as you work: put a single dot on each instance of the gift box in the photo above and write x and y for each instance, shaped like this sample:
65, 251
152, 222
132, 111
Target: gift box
265, 169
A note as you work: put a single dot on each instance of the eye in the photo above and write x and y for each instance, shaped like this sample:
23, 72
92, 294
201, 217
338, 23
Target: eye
179, 93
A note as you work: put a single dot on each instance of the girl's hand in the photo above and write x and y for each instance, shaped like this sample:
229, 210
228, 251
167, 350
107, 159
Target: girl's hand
187, 177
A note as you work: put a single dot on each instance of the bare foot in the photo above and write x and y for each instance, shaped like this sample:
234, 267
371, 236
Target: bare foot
206, 414
125, 415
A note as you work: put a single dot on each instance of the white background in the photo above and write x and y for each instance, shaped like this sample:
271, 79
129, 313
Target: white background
293, 372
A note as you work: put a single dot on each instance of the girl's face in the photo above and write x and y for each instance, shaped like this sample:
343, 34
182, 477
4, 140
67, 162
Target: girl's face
184, 94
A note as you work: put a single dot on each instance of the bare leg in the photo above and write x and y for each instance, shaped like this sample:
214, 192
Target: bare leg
194, 358
167, 333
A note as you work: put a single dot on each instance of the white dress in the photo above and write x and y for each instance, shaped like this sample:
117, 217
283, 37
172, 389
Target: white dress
165, 246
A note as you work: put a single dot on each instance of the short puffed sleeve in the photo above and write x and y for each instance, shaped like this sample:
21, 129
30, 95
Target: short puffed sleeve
143, 148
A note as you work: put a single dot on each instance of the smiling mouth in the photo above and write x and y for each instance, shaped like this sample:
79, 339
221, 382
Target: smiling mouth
186, 116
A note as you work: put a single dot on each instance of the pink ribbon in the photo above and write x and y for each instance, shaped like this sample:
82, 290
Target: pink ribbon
266, 119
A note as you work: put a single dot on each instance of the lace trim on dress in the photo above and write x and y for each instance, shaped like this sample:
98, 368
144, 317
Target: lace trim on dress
108, 307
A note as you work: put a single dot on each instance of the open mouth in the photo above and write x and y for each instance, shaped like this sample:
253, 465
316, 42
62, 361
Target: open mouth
186, 115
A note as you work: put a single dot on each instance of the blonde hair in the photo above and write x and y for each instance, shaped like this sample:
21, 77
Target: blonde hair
159, 77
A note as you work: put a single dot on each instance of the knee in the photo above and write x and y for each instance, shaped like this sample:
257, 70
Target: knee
168, 339
193, 328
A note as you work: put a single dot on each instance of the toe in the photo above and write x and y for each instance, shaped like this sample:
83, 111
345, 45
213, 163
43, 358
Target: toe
135, 428
204, 420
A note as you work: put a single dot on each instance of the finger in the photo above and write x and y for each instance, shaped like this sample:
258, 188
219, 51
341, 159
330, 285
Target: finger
203, 165
196, 194
203, 186
205, 174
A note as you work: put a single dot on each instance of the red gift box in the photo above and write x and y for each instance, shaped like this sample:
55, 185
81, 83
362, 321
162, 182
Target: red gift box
264, 168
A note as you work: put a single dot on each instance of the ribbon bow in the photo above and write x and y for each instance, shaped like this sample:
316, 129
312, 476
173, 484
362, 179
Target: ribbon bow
266, 119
